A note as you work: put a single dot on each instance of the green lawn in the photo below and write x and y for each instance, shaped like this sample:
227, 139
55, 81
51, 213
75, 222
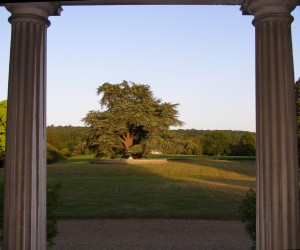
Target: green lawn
201, 157
200, 188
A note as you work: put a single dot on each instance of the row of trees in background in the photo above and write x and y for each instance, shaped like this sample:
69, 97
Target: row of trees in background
218, 142
68, 140
65, 141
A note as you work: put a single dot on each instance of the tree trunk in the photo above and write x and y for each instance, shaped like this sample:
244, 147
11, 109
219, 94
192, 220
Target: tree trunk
127, 140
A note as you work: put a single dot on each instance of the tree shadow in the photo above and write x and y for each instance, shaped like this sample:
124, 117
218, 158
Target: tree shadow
140, 191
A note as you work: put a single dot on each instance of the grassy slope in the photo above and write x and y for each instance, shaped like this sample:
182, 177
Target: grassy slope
204, 189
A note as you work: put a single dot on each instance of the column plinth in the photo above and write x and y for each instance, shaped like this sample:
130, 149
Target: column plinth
25, 160
276, 159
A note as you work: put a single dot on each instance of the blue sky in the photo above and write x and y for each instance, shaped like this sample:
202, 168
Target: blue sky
201, 57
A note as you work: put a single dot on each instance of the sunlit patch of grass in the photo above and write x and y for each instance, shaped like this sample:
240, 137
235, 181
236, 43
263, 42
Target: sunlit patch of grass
202, 157
200, 172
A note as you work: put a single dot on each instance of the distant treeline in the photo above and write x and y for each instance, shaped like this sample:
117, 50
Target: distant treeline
219, 142
67, 141
63, 141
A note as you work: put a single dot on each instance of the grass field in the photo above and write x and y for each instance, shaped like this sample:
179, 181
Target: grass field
198, 188
202, 157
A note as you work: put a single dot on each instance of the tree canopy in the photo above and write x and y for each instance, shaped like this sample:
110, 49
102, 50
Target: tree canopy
3, 111
297, 97
247, 144
131, 121
216, 143
183, 141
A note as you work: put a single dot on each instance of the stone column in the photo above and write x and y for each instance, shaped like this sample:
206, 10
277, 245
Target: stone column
25, 160
276, 159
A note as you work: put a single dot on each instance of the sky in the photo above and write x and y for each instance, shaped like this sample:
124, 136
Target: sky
202, 57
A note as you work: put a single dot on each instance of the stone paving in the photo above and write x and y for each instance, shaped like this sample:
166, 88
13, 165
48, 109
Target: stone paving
156, 234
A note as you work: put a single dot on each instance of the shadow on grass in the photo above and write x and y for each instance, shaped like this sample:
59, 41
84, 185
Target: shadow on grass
74, 160
139, 191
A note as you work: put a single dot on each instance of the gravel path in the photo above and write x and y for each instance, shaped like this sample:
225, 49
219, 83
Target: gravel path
156, 234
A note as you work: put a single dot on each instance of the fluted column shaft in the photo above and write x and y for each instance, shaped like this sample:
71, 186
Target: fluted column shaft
277, 165
25, 161
276, 159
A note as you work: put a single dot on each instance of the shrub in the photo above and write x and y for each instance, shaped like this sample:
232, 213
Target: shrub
66, 152
248, 214
53, 202
53, 155
1, 212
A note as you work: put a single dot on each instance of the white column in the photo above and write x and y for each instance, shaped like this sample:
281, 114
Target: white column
277, 164
25, 161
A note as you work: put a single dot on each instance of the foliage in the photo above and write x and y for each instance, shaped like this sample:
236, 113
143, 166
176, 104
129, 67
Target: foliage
246, 145
3, 110
61, 138
179, 146
181, 141
198, 148
65, 152
241, 143
53, 203
66, 137
216, 143
1, 212
297, 97
133, 121
170, 144
248, 214
53, 155
52, 139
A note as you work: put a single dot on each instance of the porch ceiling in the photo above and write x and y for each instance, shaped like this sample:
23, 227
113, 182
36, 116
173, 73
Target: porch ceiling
150, 2
141, 2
